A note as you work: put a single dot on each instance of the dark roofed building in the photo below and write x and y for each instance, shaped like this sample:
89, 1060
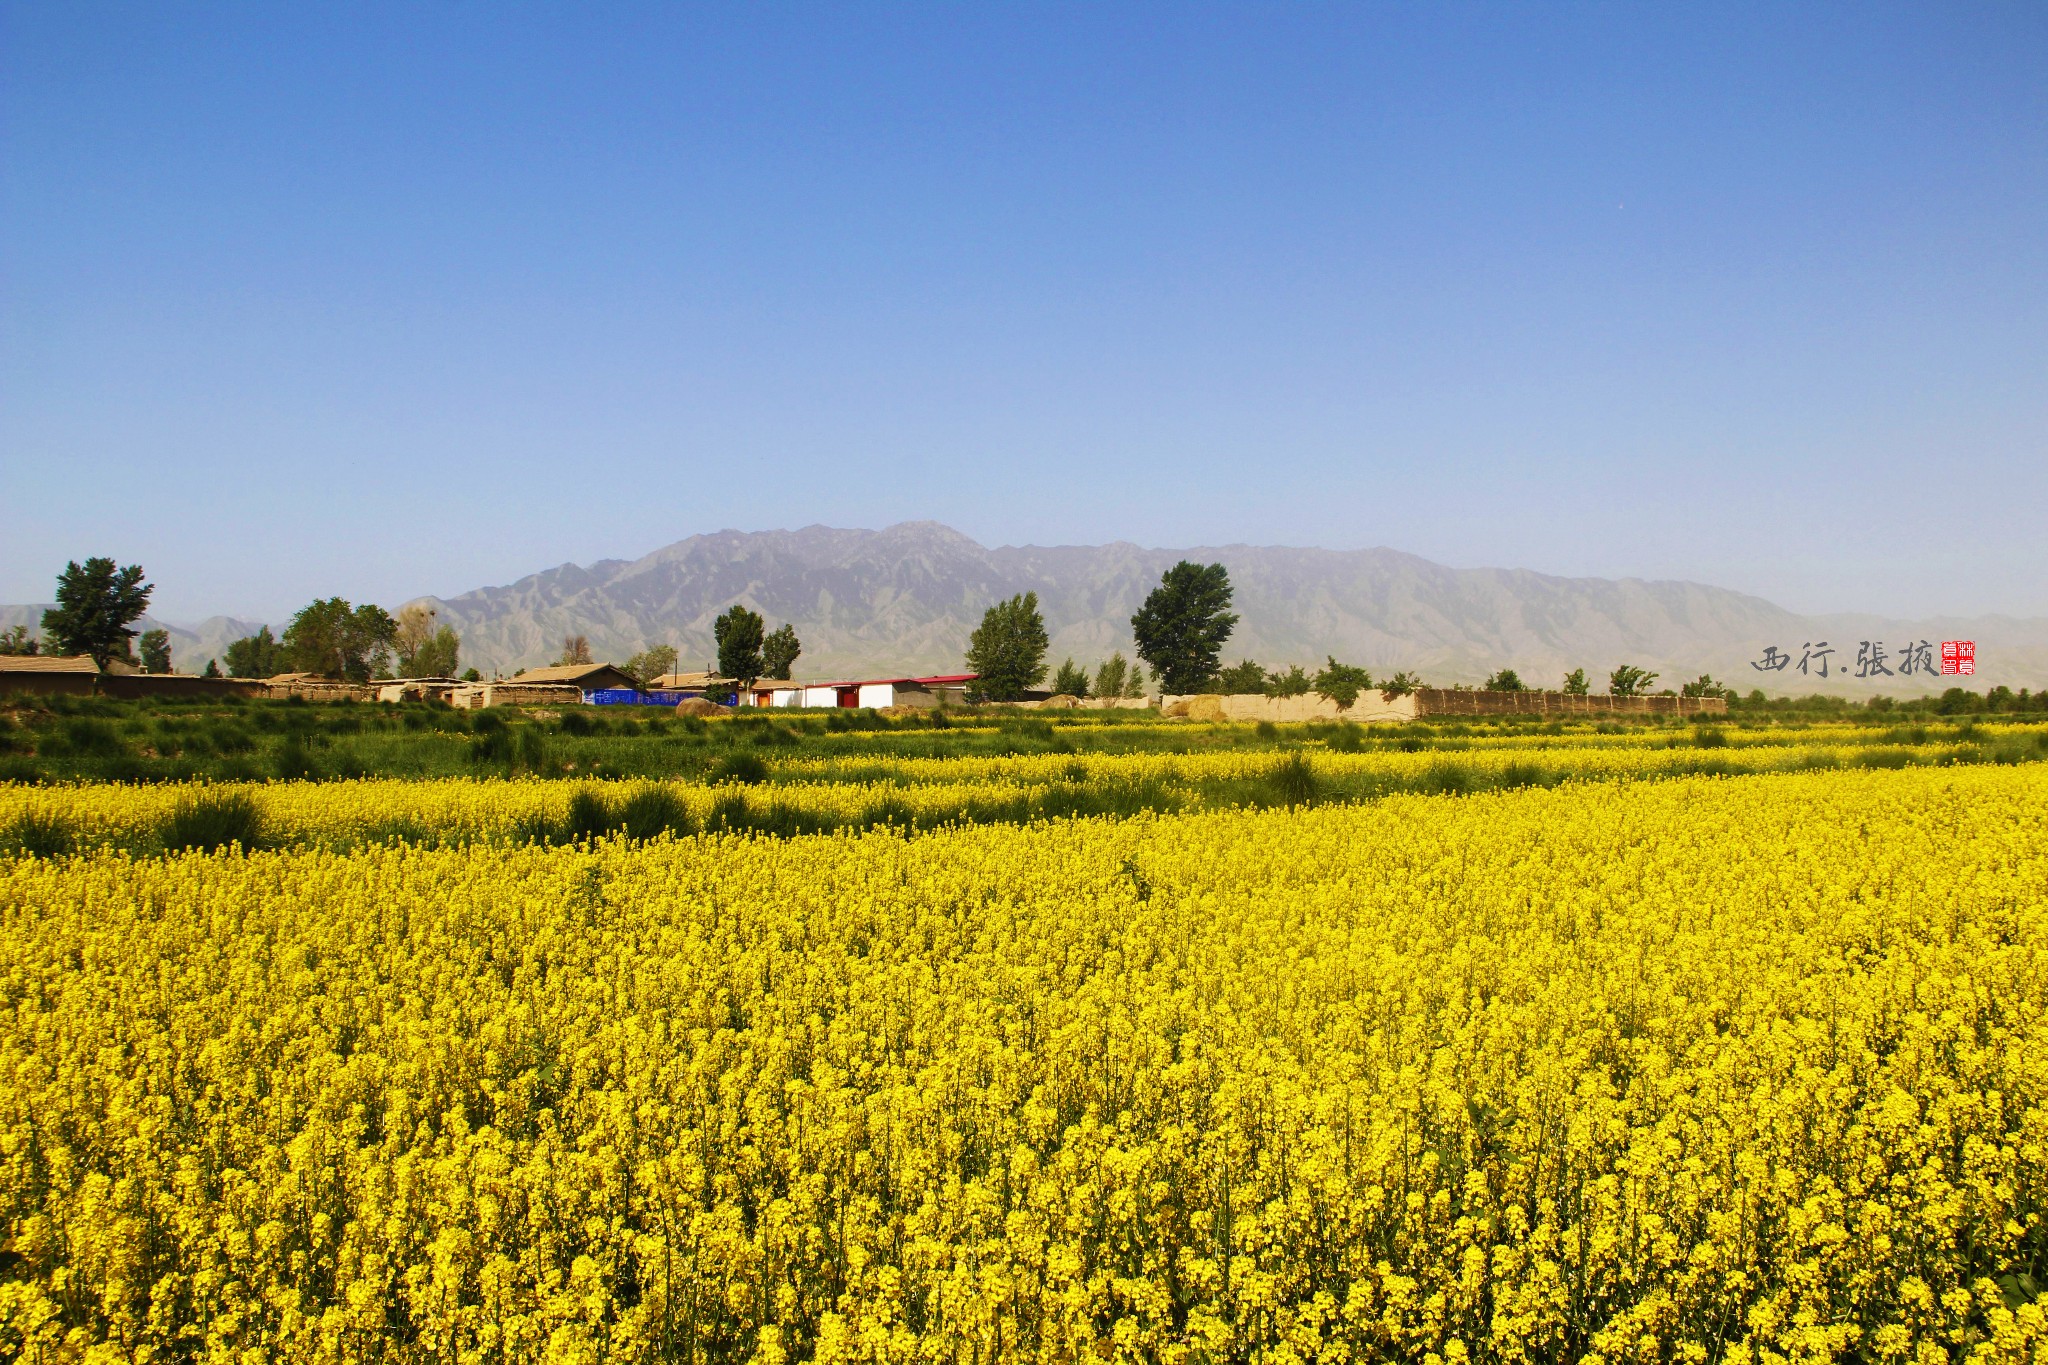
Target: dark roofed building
589, 677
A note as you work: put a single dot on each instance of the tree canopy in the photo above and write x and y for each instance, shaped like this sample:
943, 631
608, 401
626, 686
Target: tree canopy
1183, 625
779, 652
255, 656
1112, 676
1629, 681
740, 633
336, 640
652, 662
1243, 678
96, 605
1340, 683
156, 650
1293, 683
1070, 680
1007, 650
425, 650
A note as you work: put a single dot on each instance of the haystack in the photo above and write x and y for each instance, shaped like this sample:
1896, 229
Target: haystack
697, 706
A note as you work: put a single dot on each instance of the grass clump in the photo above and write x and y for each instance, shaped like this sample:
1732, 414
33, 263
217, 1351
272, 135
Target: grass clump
212, 821
652, 812
37, 835
742, 767
1292, 781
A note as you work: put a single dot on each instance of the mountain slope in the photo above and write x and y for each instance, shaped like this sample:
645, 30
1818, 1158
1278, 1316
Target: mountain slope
905, 599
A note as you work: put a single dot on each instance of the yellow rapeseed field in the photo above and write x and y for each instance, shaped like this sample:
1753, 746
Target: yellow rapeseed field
1701, 1069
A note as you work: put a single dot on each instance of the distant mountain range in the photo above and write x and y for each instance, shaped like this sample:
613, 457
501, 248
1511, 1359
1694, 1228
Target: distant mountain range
904, 599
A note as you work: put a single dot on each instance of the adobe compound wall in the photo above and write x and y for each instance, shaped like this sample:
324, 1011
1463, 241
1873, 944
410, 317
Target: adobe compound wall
1371, 708
1378, 708
1443, 701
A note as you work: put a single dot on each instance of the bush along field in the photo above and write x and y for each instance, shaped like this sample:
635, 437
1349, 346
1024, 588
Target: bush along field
64, 739
799, 784
1746, 1067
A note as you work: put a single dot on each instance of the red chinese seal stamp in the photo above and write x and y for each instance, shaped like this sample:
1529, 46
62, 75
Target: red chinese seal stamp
1959, 657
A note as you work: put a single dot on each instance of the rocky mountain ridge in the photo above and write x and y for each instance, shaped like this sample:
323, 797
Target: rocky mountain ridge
904, 599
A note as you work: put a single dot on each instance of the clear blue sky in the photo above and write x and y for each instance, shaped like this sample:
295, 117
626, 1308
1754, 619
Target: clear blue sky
378, 301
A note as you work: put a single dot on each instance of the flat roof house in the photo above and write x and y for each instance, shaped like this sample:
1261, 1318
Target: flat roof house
587, 677
936, 689
48, 673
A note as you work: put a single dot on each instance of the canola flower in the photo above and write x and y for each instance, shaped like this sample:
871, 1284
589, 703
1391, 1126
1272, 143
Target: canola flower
1694, 1070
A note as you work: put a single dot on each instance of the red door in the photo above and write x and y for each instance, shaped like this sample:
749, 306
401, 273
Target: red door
849, 696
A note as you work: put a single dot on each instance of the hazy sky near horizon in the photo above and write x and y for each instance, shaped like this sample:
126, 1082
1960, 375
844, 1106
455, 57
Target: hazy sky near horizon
386, 300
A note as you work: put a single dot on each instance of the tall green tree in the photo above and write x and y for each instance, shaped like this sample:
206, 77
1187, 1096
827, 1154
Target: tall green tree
1111, 676
96, 605
336, 640
739, 633
425, 649
1183, 625
156, 650
1007, 650
1070, 680
1507, 680
1576, 683
779, 652
438, 657
255, 656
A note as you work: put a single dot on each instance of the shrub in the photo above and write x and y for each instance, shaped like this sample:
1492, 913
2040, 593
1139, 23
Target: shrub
1293, 683
1341, 683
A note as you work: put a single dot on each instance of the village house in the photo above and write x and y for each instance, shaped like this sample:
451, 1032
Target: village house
583, 677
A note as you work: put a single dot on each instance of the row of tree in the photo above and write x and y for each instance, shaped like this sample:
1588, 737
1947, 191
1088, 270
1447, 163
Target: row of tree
334, 639
99, 602
1180, 632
